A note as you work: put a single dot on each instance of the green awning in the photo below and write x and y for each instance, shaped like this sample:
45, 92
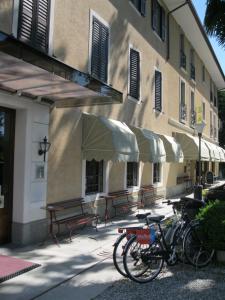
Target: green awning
173, 149
150, 145
107, 139
190, 147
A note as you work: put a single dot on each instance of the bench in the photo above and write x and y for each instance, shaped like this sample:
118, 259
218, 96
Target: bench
59, 215
120, 201
149, 192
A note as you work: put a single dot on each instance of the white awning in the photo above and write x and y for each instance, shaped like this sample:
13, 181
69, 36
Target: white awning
190, 147
173, 149
106, 139
222, 153
150, 145
213, 151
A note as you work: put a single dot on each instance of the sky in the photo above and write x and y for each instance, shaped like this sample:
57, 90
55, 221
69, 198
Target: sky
200, 6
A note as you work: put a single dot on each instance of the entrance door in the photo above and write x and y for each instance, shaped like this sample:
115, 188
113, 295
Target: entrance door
7, 129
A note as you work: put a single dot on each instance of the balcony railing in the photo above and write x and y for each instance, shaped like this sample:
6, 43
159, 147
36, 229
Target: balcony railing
182, 60
192, 71
211, 131
183, 112
193, 118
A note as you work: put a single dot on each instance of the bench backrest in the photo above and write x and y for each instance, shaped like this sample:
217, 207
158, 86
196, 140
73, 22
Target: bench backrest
67, 204
119, 193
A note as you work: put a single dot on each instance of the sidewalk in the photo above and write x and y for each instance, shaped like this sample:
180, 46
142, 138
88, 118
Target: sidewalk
86, 262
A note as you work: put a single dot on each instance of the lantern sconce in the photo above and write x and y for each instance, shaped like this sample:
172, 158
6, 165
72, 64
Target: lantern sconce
44, 147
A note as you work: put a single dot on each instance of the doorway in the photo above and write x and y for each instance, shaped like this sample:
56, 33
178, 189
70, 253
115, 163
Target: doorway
7, 132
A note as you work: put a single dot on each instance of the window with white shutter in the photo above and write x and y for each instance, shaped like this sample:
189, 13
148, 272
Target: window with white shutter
99, 52
33, 26
134, 78
158, 91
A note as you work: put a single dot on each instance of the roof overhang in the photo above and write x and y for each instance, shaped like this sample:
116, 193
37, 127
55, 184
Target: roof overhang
191, 25
33, 74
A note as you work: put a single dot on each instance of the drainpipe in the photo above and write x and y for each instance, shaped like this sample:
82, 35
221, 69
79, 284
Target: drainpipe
168, 26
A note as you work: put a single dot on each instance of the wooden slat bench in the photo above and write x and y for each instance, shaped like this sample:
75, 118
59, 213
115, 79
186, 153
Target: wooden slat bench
149, 192
59, 215
120, 201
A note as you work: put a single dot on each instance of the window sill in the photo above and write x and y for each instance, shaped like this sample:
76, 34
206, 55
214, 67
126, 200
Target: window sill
135, 8
158, 36
157, 184
93, 197
193, 81
133, 189
183, 70
158, 112
137, 101
182, 121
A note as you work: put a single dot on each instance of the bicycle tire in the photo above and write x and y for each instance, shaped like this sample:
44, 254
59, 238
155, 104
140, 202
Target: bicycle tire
195, 247
135, 257
118, 254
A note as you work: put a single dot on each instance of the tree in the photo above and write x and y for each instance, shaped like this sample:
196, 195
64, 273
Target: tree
215, 20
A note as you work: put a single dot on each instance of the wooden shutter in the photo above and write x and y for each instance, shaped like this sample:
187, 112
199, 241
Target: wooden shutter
143, 7
42, 24
158, 91
34, 23
26, 24
134, 74
163, 24
154, 14
99, 54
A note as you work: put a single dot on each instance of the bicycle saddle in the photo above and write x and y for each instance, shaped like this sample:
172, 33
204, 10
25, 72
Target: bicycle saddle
156, 219
142, 216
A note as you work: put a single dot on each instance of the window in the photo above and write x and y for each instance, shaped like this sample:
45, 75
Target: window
215, 96
156, 172
158, 19
183, 111
211, 90
158, 91
203, 110
94, 177
192, 64
203, 73
99, 51
140, 6
211, 125
134, 78
215, 127
34, 23
132, 174
193, 114
182, 53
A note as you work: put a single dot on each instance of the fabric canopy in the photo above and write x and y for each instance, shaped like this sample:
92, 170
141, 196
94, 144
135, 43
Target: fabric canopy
190, 147
213, 151
106, 139
150, 145
174, 152
222, 153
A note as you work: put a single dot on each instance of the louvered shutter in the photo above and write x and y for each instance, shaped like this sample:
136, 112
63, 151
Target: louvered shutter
26, 24
154, 14
42, 24
34, 23
134, 74
99, 54
163, 24
143, 7
158, 91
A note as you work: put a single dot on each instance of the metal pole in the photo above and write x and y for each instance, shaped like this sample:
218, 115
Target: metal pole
199, 160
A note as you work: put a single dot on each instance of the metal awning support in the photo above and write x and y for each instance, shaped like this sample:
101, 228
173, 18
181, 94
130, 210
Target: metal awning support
33, 74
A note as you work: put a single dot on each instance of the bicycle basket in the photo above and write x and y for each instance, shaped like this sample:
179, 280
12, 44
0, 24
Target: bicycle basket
146, 236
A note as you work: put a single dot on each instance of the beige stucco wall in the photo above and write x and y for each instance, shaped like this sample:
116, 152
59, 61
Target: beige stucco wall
6, 16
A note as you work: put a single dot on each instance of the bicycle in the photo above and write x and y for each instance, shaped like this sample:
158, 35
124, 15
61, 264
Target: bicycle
119, 245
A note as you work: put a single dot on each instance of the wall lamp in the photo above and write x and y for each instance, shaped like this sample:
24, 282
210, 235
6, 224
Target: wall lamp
44, 147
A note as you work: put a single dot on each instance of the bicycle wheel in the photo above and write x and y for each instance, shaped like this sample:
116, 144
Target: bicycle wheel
118, 254
196, 249
142, 263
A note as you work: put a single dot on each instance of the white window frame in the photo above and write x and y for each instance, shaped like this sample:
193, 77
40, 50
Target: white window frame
160, 183
162, 98
137, 101
15, 23
101, 20
96, 196
133, 188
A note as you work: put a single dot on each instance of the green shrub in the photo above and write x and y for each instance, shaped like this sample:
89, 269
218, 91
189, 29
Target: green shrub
212, 217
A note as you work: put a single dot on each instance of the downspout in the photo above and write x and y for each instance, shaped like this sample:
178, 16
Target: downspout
168, 26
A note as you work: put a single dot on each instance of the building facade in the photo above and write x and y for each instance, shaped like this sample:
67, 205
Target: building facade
141, 74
